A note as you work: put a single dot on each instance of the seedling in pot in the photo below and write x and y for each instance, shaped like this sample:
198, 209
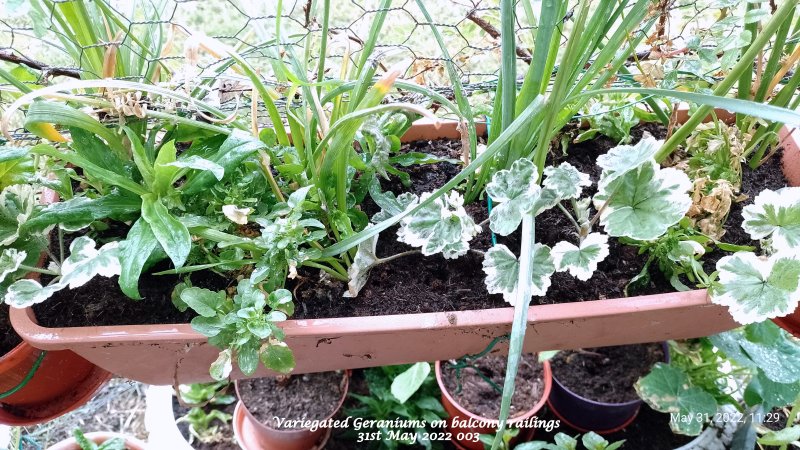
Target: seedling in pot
85, 443
562, 441
202, 424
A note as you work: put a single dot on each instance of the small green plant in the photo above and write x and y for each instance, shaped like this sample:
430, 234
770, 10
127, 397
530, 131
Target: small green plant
408, 392
85, 443
202, 424
614, 115
561, 441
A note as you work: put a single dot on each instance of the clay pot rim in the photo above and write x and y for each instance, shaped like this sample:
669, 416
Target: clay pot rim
130, 441
548, 384
664, 345
256, 422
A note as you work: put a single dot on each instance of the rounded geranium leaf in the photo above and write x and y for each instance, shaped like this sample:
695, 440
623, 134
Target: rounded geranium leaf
442, 226
581, 261
10, 261
644, 202
514, 192
625, 158
565, 180
775, 215
501, 267
756, 289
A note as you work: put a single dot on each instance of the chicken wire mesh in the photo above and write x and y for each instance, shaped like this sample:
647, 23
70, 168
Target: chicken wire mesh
181, 44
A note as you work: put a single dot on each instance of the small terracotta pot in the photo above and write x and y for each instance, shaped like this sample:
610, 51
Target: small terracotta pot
98, 437
584, 414
62, 382
254, 435
456, 412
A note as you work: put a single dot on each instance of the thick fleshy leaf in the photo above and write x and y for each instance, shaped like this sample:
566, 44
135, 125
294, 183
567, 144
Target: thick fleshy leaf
581, 261
17, 203
644, 202
501, 267
442, 225
134, 252
170, 232
358, 272
669, 390
407, 383
10, 261
203, 301
278, 356
775, 215
197, 163
757, 289
117, 205
514, 192
565, 181
625, 158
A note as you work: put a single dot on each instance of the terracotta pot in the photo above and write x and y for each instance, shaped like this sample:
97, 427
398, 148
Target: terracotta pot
254, 435
176, 353
62, 382
463, 436
584, 414
99, 437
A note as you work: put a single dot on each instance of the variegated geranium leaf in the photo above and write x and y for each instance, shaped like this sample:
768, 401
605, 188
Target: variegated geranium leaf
363, 262
391, 205
441, 226
581, 261
514, 192
643, 203
565, 181
10, 261
501, 267
625, 158
16, 206
546, 199
84, 263
775, 215
757, 288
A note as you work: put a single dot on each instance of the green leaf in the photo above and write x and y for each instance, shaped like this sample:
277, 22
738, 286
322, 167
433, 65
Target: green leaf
625, 158
565, 181
221, 367
116, 443
203, 301
407, 383
775, 215
514, 191
755, 289
442, 226
501, 267
83, 442
164, 170
17, 204
281, 300
81, 210
170, 232
593, 441
781, 437
10, 261
644, 202
238, 146
581, 261
770, 393
247, 358
669, 390
134, 253
198, 163
16, 166
90, 147
358, 272
278, 357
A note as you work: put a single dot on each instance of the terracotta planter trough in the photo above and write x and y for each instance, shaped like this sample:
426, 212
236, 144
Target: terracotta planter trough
174, 353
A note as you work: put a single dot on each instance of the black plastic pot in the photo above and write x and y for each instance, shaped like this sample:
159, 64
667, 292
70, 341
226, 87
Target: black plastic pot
586, 415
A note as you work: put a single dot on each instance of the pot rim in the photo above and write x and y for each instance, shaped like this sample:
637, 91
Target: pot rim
547, 377
664, 345
345, 384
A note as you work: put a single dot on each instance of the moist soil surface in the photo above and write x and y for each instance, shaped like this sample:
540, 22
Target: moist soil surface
415, 284
469, 388
9, 338
313, 396
606, 374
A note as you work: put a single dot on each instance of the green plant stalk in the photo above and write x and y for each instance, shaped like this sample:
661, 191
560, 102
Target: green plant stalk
663, 117
771, 68
744, 65
366, 52
520, 323
790, 421
508, 69
746, 78
323, 45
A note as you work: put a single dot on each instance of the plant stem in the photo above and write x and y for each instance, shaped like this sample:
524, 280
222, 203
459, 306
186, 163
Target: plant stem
38, 270
399, 255
264, 163
569, 216
328, 270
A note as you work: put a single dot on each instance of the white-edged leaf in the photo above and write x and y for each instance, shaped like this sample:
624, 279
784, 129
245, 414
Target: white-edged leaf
501, 267
358, 272
669, 390
25, 293
775, 215
581, 261
755, 289
221, 367
235, 214
565, 180
391, 205
16, 206
513, 191
625, 158
10, 261
644, 202
442, 226
407, 383
197, 163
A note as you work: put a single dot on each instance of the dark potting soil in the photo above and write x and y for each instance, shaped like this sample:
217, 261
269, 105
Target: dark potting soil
9, 339
606, 374
470, 389
312, 396
225, 440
